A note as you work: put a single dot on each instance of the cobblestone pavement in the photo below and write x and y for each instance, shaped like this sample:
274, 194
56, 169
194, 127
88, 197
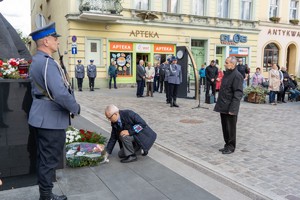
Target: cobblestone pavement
267, 157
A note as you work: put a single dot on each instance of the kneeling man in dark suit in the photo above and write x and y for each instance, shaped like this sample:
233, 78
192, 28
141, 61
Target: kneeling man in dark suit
131, 131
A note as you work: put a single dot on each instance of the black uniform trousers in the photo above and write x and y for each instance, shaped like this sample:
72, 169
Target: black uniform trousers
168, 98
229, 130
50, 147
173, 90
91, 82
79, 83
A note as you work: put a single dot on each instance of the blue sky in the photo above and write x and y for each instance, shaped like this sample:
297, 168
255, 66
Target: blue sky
17, 12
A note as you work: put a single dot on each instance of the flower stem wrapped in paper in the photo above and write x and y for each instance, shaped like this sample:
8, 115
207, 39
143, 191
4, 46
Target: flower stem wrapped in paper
81, 154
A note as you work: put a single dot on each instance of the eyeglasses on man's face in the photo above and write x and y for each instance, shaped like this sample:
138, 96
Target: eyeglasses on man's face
109, 118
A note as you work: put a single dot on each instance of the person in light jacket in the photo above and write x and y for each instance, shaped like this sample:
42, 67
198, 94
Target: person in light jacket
150, 73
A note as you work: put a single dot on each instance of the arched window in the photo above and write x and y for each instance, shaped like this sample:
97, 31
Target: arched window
271, 54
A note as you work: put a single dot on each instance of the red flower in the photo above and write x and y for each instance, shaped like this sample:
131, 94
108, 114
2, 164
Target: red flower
81, 131
1, 74
1, 62
83, 139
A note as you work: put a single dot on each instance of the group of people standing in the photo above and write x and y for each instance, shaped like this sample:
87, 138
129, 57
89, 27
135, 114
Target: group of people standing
279, 83
80, 73
212, 75
170, 77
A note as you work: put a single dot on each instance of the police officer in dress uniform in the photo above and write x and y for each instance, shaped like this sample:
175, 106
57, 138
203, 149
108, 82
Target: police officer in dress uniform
53, 102
174, 80
91, 73
79, 74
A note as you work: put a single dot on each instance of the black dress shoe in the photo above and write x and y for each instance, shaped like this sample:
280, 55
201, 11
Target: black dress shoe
129, 159
227, 151
175, 105
54, 197
222, 149
144, 153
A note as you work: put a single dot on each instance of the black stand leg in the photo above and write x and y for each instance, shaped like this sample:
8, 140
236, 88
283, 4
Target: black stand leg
199, 106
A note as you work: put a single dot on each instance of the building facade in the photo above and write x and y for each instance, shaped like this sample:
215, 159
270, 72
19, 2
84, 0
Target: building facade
129, 30
279, 37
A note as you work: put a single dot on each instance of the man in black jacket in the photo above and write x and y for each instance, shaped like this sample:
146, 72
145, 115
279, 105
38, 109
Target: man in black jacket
228, 103
140, 78
131, 131
211, 74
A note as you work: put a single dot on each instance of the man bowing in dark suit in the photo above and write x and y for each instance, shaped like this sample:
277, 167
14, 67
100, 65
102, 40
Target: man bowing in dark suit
131, 131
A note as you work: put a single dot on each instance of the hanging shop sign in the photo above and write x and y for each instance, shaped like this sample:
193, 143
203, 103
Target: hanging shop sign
121, 46
145, 48
143, 34
236, 38
164, 48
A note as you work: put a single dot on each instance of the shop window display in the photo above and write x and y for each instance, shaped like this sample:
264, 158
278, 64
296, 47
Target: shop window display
124, 63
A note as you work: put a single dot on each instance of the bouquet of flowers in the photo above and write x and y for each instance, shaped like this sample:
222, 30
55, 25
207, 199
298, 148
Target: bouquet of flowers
14, 68
84, 148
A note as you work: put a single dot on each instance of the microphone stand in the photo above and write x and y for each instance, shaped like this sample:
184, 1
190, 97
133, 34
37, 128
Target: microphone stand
199, 106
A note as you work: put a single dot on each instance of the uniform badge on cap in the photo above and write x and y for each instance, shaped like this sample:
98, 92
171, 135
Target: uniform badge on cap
44, 32
79, 61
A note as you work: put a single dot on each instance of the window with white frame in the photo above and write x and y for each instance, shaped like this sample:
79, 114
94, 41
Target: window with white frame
198, 6
170, 6
141, 4
246, 9
294, 9
274, 8
223, 8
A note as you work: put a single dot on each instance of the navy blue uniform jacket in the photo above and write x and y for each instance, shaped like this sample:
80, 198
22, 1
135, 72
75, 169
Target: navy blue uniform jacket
144, 138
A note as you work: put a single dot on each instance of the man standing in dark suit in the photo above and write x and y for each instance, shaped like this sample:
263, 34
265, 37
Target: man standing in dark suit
140, 79
79, 74
211, 73
53, 101
244, 71
228, 104
131, 131
174, 80
92, 74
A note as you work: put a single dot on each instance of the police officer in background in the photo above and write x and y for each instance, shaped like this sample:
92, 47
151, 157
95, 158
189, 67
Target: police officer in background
53, 102
92, 74
79, 74
166, 68
174, 80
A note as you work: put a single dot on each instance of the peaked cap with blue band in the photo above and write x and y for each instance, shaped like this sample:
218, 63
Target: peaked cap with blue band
44, 32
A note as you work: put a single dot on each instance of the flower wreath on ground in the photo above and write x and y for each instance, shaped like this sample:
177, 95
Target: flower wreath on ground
84, 148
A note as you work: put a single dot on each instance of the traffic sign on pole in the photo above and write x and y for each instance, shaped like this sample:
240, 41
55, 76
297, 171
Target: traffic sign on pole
74, 50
